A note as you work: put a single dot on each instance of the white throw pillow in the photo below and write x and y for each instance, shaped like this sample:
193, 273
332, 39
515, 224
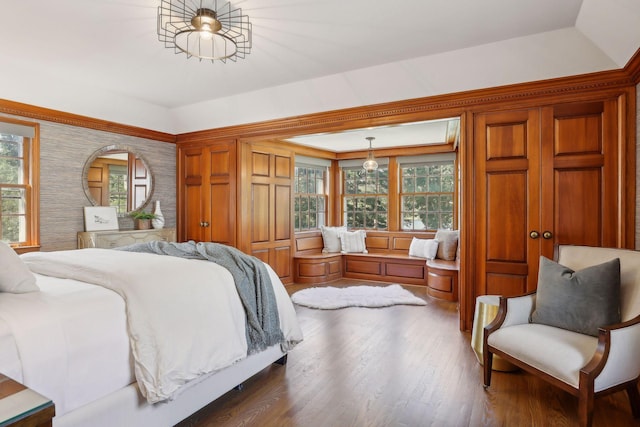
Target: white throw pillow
353, 242
15, 276
424, 248
331, 238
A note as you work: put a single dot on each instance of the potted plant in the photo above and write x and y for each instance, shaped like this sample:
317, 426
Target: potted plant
142, 219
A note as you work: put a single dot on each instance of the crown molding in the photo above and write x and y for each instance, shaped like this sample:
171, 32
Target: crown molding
433, 107
55, 116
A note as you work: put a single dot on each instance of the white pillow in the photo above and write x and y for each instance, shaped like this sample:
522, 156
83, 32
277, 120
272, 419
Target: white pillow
353, 242
423, 248
331, 238
15, 276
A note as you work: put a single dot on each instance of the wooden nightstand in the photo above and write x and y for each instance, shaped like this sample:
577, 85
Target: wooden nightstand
22, 407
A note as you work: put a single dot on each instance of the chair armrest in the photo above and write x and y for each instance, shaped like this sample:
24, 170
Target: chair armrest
616, 358
513, 311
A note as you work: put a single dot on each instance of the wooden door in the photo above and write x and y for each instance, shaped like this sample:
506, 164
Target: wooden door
139, 182
507, 200
580, 176
544, 177
208, 193
265, 213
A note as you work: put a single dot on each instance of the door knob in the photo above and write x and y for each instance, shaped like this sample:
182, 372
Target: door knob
534, 234
205, 224
547, 235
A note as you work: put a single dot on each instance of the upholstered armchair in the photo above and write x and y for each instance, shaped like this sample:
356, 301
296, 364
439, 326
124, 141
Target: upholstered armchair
577, 362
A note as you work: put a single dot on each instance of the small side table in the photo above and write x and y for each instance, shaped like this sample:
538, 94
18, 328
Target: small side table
22, 407
486, 310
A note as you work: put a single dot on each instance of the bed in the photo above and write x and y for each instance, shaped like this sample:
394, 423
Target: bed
132, 339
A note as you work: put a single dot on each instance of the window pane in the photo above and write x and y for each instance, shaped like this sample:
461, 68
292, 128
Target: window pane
433, 203
408, 185
382, 221
310, 197
10, 170
446, 220
433, 221
383, 203
13, 201
11, 145
430, 203
370, 206
11, 229
447, 183
434, 184
14, 216
446, 203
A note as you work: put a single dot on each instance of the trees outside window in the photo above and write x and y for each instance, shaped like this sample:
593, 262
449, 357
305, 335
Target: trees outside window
18, 201
427, 195
310, 198
366, 198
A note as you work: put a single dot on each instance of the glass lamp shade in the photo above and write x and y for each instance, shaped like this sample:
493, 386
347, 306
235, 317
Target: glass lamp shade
370, 164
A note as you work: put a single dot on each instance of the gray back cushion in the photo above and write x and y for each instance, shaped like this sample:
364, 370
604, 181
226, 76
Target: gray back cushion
580, 301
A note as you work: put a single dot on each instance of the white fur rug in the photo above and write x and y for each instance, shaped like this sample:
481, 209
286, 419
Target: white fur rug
328, 297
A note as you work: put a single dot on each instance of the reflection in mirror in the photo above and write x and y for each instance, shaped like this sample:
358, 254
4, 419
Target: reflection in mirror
117, 176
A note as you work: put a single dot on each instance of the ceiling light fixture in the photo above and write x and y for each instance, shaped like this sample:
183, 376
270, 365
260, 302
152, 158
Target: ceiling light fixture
370, 164
201, 29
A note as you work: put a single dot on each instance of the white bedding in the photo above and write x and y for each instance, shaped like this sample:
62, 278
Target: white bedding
75, 322
59, 337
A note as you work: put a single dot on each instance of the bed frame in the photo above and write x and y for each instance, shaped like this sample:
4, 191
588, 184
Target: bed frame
127, 408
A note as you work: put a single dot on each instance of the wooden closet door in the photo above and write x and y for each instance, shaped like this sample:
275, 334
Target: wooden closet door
507, 201
193, 198
209, 193
544, 177
580, 176
266, 206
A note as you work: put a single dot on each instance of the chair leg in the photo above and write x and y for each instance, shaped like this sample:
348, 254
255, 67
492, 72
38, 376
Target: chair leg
634, 398
585, 408
487, 362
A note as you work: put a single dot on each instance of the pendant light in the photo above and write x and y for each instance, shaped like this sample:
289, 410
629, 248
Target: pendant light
370, 165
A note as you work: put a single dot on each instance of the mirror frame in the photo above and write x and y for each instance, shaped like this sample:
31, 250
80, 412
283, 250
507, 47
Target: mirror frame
104, 150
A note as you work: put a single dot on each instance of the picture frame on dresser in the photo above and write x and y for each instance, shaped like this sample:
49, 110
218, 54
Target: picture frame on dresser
100, 218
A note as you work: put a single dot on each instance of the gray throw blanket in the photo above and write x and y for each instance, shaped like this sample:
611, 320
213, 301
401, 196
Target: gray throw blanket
251, 279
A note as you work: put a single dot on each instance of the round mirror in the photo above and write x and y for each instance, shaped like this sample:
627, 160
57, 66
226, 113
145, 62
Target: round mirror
116, 175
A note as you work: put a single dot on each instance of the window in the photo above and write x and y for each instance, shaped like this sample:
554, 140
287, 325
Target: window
18, 197
366, 198
427, 195
118, 188
310, 198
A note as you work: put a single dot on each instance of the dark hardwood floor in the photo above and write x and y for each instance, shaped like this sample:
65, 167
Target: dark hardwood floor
395, 366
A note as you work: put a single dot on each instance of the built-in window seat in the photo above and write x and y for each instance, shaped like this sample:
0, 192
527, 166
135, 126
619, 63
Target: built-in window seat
388, 260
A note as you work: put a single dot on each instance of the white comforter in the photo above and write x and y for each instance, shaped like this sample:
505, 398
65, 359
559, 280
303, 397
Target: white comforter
178, 312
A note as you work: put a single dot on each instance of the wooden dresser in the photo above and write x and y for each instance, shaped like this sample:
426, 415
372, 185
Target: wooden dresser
113, 239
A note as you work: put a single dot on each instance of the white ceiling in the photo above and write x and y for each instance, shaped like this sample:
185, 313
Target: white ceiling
102, 58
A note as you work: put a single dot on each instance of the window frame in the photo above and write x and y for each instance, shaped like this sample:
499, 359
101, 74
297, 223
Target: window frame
31, 177
426, 163
344, 169
324, 195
